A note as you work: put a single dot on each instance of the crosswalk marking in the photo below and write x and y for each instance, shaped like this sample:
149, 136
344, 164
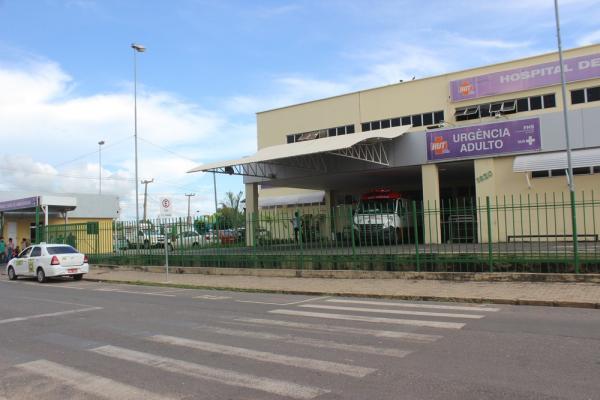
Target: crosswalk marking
416, 337
88, 383
388, 311
416, 305
226, 377
47, 315
346, 317
326, 344
292, 361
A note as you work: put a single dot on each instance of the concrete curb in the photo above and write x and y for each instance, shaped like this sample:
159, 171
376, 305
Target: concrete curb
518, 302
356, 274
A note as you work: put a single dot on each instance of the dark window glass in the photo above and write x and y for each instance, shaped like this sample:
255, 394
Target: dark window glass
495, 107
332, 132
375, 125
365, 126
341, 130
36, 252
597, 169
558, 172
535, 102
385, 124
549, 101
473, 116
416, 120
484, 110
593, 94
406, 120
427, 119
462, 117
577, 96
523, 104
290, 138
396, 122
349, 129
297, 136
438, 117
581, 171
61, 250
540, 174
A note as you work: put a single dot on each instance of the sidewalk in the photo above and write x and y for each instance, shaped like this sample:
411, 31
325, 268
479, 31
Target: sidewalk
585, 295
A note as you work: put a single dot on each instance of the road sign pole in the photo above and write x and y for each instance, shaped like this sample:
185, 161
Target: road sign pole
166, 236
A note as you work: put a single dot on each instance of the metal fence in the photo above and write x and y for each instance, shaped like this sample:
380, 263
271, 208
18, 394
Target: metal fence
501, 234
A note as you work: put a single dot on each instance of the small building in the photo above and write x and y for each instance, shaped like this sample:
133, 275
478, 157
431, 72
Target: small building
36, 216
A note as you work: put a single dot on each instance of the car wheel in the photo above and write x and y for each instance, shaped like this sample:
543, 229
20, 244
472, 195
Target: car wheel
77, 277
41, 275
11, 274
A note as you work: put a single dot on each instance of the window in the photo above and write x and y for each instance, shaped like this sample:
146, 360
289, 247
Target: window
337, 131
535, 102
484, 110
60, 250
36, 252
406, 120
540, 174
395, 121
416, 120
578, 96
332, 132
308, 136
549, 101
428, 119
509, 107
582, 171
349, 129
290, 139
593, 94
385, 124
375, 125
596, 169
438, 117
365, 126
558, 172
523, 104
25, 253
494, 108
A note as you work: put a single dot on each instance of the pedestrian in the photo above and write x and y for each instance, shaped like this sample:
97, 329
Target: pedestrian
2, 250
24, 243
296, 225
10, 249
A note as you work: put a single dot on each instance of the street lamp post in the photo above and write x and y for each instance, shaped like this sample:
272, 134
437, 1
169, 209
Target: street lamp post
100, 144
136, 48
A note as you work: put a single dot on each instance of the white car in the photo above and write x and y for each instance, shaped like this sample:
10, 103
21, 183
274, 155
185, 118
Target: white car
189, 239
48, 260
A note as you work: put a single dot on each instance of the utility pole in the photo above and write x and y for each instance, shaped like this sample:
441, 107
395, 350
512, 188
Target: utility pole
189, 217
215, 191
145, 182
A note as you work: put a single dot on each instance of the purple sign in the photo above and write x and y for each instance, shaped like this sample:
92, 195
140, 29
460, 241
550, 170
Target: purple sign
483, 140
535, 76
19, 204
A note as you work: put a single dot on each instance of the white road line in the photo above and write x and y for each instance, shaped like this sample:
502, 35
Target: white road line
292, 361
55, 314
387, 311
226, 377
134, 292
416, 337
325, 344
415, 305
211, 297
283, 304
88, 383
346, 317
174, 290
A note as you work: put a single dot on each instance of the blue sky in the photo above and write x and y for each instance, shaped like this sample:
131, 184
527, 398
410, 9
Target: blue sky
66, 76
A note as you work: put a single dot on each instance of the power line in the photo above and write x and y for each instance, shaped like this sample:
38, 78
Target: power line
166, 149
93, 152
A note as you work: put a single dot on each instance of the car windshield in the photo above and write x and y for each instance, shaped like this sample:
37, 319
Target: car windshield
61, 250
377, 206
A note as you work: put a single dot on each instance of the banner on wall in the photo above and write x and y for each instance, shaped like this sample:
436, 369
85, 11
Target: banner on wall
484, 140
525, 78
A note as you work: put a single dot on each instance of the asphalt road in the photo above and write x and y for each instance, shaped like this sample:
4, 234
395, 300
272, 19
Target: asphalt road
85, 340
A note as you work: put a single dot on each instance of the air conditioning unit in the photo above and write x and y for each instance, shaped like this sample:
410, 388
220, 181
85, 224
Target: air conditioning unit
496, 114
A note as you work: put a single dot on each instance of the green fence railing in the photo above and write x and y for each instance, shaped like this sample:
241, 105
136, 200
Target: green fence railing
495, 234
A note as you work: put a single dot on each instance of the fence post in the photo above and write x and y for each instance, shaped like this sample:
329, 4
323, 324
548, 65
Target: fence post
298, 218
416, 233
352, 233
575, 239
489, 233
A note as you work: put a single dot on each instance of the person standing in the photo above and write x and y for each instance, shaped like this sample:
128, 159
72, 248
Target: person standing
2, 249
24, 244
296, 225
10, 249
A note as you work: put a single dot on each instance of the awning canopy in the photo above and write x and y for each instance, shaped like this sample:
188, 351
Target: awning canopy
302, 198
29, 204
556, 160
366, 146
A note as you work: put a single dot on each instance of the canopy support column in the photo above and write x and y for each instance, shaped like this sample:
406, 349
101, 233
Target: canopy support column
251, 212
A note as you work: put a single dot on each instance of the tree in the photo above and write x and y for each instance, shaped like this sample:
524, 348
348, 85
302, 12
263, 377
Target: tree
230, 214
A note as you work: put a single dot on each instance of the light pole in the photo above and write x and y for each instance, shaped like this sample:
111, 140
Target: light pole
136, 48
100, 144
567, 141
189, 216
215, 191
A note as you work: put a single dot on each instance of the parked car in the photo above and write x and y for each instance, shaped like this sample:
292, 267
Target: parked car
189, 239
48, 260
